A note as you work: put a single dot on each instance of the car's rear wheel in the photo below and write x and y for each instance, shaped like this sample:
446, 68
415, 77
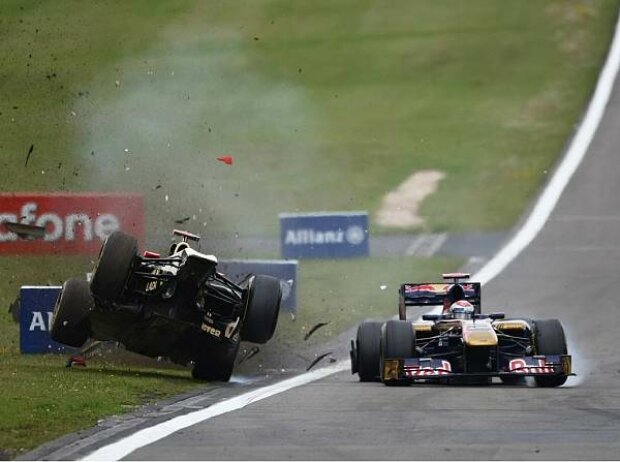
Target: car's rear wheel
550, 340
114, 266
70, 324
397, 341
216, 363
262, 309
368, 350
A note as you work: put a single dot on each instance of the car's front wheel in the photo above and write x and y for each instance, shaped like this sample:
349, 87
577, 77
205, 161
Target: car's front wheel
114, 266
262, 309
70, 324
367, 347
397, 341
550, 340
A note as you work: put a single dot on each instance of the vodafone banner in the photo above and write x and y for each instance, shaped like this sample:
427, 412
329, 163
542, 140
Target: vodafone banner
74, 222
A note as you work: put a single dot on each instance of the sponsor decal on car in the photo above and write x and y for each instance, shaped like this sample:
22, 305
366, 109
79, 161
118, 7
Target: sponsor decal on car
530, 366
418, 370
73, 222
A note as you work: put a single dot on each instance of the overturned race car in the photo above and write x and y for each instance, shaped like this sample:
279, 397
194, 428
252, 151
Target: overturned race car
460, 344
177, 306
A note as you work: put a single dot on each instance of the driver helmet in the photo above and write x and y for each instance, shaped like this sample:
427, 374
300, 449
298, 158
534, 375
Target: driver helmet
454, 293
462, 310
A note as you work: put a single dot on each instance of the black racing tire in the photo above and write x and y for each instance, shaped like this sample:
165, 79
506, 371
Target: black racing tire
114, 266
70, 324
397, 341
368, 350
262, 309
216, 363
549, 339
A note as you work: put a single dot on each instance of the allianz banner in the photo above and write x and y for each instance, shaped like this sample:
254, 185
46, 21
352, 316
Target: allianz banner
324, 235
35, 319
75, 223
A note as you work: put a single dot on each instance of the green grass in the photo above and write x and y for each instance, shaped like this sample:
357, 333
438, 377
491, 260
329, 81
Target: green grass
324, 105
42, 400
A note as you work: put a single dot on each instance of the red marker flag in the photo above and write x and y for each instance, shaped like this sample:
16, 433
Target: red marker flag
228, 160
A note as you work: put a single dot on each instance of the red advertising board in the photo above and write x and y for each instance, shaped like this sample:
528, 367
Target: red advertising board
75, 223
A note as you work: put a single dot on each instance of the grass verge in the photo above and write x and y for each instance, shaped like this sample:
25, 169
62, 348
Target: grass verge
42, 400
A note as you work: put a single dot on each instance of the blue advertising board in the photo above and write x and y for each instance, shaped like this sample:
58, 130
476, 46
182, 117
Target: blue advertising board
324, 235
35, 320
286, 271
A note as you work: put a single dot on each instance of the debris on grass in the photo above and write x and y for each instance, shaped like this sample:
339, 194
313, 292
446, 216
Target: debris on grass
14, 309
76, 361
318, 359
316, 327
248, 354
29, 154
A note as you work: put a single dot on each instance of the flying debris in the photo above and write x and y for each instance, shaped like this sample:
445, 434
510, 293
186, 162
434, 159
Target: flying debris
28, 155
14, 309
314, 329
317, 359
74, 361
228, 160
24, 231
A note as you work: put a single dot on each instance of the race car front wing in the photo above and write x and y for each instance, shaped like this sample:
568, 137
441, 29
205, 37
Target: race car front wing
414, 369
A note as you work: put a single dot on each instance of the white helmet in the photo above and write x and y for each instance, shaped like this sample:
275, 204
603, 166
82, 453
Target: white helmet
462, 310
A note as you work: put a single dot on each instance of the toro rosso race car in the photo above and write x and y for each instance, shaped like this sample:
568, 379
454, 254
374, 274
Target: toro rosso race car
460, 344
177, 306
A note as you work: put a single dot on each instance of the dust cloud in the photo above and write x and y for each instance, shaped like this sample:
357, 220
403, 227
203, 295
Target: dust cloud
162, 118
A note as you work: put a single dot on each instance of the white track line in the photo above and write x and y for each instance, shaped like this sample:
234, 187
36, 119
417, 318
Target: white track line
575, 154
522, 238
141, 438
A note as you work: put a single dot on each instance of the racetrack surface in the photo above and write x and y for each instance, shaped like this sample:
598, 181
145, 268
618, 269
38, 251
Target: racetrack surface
570, 271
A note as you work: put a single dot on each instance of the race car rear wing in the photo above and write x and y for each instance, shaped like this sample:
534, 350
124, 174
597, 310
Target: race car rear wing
433, 293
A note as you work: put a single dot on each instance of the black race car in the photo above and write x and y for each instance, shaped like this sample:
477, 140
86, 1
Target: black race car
177, 306
459, 344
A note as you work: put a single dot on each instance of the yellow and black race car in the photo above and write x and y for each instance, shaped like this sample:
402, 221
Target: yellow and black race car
457, 343
176, 306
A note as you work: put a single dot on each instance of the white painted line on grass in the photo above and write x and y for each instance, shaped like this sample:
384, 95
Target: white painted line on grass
415, 244
436, 242
508, 253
